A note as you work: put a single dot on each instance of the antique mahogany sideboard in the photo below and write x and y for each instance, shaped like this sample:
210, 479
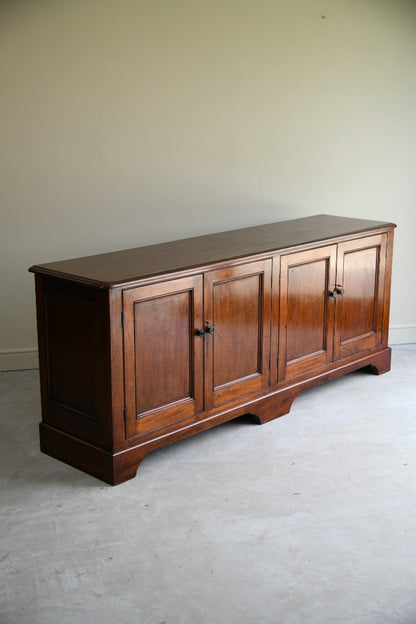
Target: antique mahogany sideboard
142, 347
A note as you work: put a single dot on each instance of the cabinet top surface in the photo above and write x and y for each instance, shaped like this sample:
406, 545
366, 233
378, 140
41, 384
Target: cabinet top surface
120, 267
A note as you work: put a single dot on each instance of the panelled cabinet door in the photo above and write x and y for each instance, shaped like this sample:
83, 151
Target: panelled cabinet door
237, 322
307, 280
163, 354
359, 310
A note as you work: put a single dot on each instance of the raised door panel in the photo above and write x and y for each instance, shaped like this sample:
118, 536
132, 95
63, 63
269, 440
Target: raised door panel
72, 325
359, 310
163, 355
237, 307
306, 311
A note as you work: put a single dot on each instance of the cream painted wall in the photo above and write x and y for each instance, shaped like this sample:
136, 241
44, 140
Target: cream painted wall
126, 122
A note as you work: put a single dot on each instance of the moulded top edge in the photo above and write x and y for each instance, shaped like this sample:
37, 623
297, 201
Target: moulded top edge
112, 269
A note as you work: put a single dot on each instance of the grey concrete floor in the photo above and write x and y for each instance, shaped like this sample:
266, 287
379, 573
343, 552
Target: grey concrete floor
308, 519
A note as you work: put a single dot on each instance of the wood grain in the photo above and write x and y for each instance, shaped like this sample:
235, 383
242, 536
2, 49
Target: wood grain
144, 347
112, 269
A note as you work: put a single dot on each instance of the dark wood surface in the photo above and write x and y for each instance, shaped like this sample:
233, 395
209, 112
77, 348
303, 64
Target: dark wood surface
306, 310
127, 370
163, 355
361, 269
74, 359
119, 267
317, 327
237, 303
118, 467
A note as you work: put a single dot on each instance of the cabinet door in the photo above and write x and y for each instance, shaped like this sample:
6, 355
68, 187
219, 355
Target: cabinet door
163, 355
306, 310
359, 311
237, 308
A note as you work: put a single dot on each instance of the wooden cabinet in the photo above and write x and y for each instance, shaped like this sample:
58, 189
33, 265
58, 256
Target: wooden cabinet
146, 346
331, 303
182, 357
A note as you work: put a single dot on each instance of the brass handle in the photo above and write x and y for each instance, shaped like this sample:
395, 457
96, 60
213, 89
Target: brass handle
209, 328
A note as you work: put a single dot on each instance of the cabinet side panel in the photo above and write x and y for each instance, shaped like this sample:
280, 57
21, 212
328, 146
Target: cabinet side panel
76, 361
73, 337
387, 286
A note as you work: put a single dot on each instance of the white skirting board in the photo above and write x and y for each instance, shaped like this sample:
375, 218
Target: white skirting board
18, 359
402, 334
21, 359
